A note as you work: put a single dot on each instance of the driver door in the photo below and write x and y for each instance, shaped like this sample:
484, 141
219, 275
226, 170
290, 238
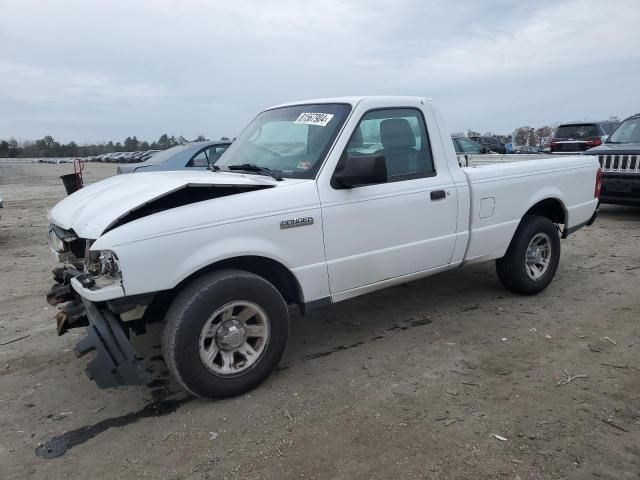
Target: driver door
379, 234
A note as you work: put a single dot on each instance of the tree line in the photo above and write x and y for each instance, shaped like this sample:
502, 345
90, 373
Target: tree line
534, 137
48, 147
522, 136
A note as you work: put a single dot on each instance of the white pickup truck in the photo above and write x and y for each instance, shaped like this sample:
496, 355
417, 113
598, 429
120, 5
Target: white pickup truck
314, 203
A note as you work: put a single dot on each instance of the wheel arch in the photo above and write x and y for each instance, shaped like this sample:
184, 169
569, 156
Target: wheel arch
551, 207
271, 270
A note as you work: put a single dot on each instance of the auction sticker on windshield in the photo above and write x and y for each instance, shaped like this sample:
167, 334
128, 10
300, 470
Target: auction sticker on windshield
308, 118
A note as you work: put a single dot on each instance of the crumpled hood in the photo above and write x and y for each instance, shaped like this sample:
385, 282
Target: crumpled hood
92, 209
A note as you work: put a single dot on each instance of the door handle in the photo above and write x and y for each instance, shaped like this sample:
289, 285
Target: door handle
438, 194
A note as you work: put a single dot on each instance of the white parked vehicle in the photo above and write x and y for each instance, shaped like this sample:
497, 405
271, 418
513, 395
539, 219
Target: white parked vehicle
314, 203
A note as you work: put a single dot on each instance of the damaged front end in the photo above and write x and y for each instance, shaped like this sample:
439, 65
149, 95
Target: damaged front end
109, 324
89, 289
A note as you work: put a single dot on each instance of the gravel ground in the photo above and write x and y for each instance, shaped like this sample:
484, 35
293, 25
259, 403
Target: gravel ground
450, 377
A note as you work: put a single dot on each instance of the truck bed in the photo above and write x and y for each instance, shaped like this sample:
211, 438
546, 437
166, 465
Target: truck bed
499, 192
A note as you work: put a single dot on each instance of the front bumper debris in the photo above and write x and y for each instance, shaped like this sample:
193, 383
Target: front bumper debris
71, 313
116, 362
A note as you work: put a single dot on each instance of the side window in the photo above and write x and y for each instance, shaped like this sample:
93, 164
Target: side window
200, 160
398, 134
215, 152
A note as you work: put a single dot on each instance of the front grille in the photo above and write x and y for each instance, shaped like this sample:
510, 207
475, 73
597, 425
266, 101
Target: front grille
620, 163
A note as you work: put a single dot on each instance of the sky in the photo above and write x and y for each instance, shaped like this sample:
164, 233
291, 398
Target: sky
94, 71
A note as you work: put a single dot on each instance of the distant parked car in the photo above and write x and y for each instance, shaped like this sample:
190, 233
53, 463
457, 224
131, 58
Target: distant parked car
148, 154
620, 161
526, 149
131, 157
492, 143
578, 137
466, 146
113, 157
194, 155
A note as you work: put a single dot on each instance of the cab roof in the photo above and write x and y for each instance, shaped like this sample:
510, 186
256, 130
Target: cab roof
353, 101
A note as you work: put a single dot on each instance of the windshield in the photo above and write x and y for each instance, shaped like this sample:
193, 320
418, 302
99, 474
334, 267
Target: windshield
293, 140
577, 132
627, 132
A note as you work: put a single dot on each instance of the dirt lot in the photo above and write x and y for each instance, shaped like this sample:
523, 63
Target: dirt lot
446, 378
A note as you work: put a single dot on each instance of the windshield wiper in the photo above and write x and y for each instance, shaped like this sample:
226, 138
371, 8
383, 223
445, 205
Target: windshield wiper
252, 167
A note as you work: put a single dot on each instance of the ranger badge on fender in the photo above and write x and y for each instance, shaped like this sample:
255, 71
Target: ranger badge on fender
296, 222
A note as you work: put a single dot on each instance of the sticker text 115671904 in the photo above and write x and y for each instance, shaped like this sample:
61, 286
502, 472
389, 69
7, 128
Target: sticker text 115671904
308, 118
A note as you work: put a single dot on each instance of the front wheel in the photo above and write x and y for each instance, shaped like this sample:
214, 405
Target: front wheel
532, 258
225, 333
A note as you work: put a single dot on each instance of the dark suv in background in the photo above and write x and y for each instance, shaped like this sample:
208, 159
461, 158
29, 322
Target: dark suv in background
492, 143
620, 161
578, 137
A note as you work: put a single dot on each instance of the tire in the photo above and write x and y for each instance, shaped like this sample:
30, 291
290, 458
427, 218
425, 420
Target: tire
188, 348
516, 270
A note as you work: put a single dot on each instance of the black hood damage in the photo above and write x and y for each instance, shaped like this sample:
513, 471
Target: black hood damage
184, 196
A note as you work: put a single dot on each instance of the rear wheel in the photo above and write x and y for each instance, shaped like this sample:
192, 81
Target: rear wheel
532, 258
225, 333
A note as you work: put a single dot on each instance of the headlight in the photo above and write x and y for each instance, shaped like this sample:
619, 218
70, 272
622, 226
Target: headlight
56, 243
59, 242
104, 263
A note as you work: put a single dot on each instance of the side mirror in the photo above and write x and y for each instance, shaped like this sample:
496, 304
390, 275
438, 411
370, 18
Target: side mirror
485, 150
604, 138
358, 171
